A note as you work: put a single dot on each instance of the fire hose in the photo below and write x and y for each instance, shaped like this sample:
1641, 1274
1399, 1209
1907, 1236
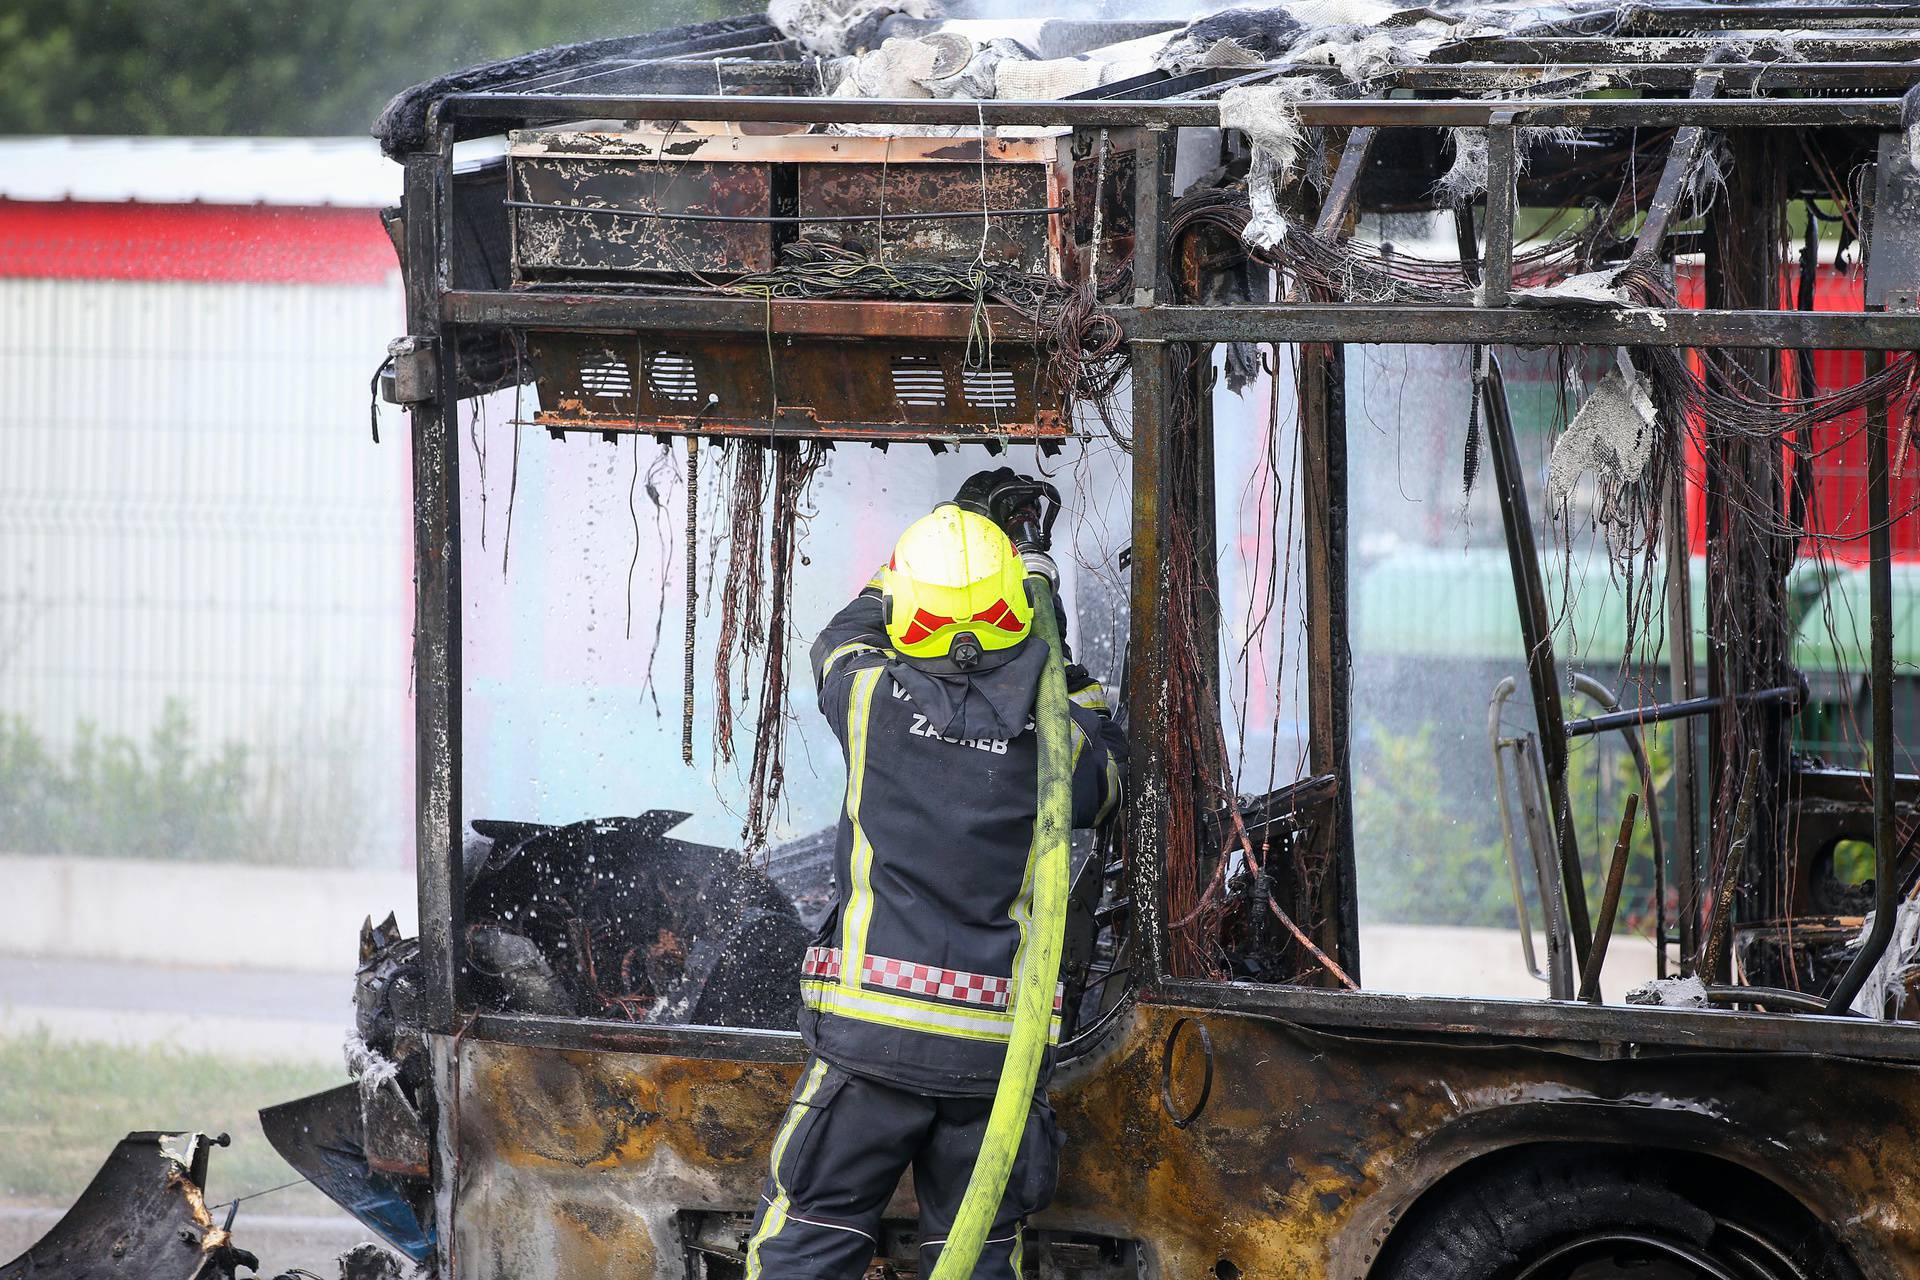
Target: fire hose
1036, 964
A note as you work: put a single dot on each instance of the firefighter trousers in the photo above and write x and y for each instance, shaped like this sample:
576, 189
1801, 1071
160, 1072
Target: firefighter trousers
838, 1156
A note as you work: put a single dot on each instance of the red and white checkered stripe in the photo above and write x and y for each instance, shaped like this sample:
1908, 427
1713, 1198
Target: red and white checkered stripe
979, 989
821, 962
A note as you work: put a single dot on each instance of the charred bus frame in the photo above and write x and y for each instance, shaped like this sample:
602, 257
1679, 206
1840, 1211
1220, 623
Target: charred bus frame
439, 314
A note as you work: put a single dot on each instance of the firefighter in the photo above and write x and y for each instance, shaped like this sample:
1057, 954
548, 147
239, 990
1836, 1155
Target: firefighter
928, 679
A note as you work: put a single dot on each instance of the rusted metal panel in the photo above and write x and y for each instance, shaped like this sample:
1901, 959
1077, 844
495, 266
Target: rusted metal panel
893, 194
550, 245
667, 199
578, 1162
720, 384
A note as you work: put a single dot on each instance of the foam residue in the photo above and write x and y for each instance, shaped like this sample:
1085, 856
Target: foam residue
1266, 114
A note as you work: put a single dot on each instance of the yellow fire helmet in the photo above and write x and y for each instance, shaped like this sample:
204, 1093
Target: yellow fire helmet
955, 592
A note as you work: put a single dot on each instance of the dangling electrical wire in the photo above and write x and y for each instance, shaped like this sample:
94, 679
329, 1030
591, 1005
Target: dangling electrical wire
693, 595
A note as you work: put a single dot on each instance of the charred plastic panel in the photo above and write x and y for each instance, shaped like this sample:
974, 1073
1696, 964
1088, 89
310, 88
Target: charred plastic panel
587, 1163
724, 384
143, 1217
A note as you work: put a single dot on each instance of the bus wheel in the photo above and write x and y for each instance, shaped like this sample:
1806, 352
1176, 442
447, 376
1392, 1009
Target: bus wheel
1582, 1214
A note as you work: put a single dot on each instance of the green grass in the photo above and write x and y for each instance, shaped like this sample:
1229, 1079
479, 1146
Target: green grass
64, 1104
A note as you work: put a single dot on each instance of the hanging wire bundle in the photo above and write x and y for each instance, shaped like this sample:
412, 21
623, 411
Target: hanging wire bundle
1086, 356
742, 638
763, 534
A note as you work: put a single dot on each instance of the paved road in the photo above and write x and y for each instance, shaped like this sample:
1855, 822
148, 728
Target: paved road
310, 1242
257, 1013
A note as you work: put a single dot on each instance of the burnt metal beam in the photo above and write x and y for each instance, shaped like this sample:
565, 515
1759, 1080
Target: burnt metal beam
1148, 683
1323, 478
1680, 685
1579, 50
1536, 630
1739, 77
1675, 176
1496, 262
436, 644
1759, 17
1344, 192
1094, 113
1588, 1029
1524, 327
627, 313
1748, 554
1880, 624
1323, 482
1609, 905
1593, 1030
1680, 710
1273, 322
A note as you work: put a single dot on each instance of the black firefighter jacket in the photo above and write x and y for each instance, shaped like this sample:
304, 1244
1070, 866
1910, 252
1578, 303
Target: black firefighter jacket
908, 981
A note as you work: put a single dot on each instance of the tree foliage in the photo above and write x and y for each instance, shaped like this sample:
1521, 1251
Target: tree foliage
293, 67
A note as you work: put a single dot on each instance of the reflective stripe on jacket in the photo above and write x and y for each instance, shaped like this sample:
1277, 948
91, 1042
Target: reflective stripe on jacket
935, 882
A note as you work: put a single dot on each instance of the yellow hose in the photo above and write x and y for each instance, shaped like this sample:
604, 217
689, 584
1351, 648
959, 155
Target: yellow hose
1036, 966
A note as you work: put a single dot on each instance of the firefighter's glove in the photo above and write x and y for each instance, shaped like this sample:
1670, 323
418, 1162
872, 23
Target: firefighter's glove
977, 493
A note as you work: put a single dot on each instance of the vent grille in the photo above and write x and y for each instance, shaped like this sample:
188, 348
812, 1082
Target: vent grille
919, 382
670, 376
988, 388
605, 375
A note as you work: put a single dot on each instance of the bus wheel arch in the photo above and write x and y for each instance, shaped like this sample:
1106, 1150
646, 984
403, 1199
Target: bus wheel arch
1551, 1210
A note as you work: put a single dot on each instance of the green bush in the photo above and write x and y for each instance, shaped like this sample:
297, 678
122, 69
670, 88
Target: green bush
1429, 853
109, 795
1424, 857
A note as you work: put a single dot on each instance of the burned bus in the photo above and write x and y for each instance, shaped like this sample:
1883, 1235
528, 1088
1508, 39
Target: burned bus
1278, 299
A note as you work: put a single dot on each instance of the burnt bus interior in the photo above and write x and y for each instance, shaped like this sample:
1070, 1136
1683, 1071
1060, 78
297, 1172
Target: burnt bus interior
711, 314
772, 280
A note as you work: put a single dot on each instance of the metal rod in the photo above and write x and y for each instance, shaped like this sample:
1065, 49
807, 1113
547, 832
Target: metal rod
1880, 601
1416, 323
1664, 711
1152, 193
1581, 50
894, 216
1322, 374
1610, 701
1682, 156
1345, 191
1546, 867
1874, 113
1500, 747
1609, 904
631, 312
1323, 448
1686, 768
1738, 76
1799, 1001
